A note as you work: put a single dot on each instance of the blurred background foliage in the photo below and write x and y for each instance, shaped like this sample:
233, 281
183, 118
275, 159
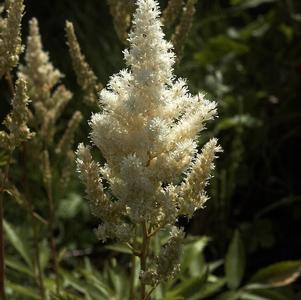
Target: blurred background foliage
245, 54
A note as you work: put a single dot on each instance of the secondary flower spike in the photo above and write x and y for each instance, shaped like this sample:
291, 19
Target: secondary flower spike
147, 132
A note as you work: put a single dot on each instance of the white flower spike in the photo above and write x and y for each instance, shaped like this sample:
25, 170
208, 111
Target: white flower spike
147, 133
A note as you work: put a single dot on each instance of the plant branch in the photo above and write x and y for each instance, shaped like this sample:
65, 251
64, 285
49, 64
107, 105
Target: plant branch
147, 297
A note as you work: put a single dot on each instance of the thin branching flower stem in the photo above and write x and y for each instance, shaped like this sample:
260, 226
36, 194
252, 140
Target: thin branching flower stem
147, 297
147, 131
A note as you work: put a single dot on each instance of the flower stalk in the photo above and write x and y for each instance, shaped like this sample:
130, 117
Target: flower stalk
147, 132
51, 217
2, 267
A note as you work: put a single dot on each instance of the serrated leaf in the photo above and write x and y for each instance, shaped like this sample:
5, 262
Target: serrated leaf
278, 274
235, 262
17, 242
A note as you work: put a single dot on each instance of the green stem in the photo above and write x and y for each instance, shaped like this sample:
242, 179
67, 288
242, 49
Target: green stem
147, 297
2, 251
37, 258
51, 217
2, 268
143, 256
132, 280
52, 240
30, 209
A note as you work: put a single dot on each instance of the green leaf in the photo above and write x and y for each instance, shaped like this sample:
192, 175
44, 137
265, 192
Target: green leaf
271, 294
186, 288
22, 290
218, 47
17, 242
192, 258
215, 265
70, 207
278, 274
244, 120
229, 295
44, 251
208, 289
85, 287
14, 264
235, 262
249, 296
121, 248
95, 279
254, 3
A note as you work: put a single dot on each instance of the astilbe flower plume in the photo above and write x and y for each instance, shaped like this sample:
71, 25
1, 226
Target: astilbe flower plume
84, 73
147, 133
48, 96
10, 36
16, 121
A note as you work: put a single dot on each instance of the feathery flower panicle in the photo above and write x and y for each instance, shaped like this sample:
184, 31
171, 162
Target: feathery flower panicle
49, 98
10, 37
171, 12
100, 203
183, 28
84, 74
38, 71
167, 263
16, 121
90, 174
147, 132
121, 12
68, 137
67, 171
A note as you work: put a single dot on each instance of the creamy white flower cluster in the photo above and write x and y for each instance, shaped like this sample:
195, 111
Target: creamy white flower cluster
147, 133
